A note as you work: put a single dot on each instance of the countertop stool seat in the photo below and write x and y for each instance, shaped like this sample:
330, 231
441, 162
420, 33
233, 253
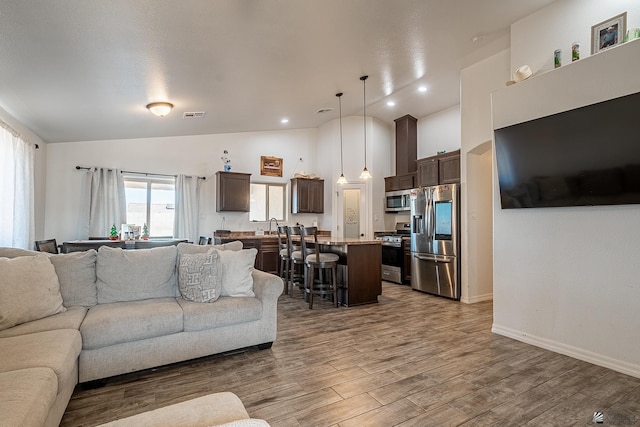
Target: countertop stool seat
326, 284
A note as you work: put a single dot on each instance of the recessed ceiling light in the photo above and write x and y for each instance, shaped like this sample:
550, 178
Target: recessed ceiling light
390, 103
284, 121
422, 89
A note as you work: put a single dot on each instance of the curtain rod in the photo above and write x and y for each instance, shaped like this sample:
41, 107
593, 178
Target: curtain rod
143, 173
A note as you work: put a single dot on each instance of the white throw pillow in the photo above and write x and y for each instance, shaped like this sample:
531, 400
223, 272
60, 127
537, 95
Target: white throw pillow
237, 269
200, 277
29, 290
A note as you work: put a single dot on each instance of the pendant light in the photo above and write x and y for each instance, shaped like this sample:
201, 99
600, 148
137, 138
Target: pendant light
342, 179
365, 172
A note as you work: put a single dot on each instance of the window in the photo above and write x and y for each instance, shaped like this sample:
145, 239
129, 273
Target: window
151, 201
267, 201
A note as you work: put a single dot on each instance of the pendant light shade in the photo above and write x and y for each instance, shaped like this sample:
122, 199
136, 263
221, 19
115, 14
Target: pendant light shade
342, 179
365, 172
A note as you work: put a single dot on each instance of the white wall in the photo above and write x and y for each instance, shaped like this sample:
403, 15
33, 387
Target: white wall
536, 37
566, 279
477, 82
194, 155
200, 155
439, 131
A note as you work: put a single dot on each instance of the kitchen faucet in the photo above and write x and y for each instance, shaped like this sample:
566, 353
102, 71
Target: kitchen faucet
277, 225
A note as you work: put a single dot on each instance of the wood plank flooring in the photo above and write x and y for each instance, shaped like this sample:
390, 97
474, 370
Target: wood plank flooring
410, 360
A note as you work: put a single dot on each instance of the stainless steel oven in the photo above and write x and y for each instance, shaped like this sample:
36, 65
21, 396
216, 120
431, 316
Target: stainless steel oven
397, 201
393, 253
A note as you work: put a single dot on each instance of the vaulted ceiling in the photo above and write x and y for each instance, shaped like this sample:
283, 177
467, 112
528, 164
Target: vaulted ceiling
76, 70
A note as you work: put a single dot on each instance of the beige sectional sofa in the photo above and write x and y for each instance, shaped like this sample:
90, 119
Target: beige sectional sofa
86, 316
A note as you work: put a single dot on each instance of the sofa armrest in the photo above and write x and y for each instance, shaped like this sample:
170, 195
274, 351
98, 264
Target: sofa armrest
267, 286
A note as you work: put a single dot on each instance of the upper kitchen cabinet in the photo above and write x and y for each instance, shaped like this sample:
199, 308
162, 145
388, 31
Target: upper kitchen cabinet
307, 195
427, 173
440, 169
400, 182
406, 144
232, 191
449, 168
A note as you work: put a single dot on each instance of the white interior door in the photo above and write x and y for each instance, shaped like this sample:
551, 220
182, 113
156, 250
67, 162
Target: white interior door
350, 210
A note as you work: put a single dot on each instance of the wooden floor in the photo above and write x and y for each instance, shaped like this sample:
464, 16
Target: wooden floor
410, 360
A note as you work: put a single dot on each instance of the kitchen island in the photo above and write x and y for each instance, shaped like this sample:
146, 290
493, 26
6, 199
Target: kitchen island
359, 266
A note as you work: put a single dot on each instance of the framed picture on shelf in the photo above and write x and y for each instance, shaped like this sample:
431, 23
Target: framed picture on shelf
270, 166
608, 33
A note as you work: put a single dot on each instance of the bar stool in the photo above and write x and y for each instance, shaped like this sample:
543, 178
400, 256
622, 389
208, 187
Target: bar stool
296, 271
285, 256
321, 261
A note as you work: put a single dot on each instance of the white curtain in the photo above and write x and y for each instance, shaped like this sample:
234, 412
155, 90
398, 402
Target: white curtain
186, 222
107, 203
17, 217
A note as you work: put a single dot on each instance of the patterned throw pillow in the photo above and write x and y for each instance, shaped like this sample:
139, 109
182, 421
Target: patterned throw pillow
200, 277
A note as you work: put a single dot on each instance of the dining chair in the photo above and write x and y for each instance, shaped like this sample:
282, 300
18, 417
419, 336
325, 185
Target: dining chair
203, 240
314, 259
50, 246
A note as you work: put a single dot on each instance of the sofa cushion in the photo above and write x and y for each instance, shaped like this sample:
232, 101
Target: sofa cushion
237, 267
132, 275
57, 350
16, 252
200, 277
226, 311
29, 290
190, 248
26, 396
77, 275
69, 319
120, 322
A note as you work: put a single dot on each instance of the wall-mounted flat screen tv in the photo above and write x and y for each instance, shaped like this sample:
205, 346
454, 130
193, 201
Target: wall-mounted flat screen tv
583, 157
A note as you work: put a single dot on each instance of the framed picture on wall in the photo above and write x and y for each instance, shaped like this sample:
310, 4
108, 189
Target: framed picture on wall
608, 33
270, 166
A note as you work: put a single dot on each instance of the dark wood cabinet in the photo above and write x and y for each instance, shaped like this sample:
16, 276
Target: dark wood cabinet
307, 195
449, 169
427, 173
400, 182
232, 191
406, 144
440, 169
268, 256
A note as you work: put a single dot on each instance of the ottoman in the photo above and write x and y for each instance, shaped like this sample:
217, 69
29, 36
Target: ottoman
212, 410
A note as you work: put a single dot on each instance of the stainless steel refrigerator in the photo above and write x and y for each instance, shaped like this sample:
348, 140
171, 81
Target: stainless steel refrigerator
435, 240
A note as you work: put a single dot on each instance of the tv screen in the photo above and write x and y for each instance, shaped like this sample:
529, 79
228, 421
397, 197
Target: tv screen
582, 157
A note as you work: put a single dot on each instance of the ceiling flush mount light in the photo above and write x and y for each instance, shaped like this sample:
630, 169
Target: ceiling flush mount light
160, 109
342, 179
365, 172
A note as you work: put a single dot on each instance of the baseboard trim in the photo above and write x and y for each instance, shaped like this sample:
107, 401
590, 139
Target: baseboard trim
568, 350
478, 298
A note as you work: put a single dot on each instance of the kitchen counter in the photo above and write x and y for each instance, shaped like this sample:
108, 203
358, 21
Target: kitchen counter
359, 266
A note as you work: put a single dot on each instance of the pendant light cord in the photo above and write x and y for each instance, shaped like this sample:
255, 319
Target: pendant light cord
339, 95
364, 115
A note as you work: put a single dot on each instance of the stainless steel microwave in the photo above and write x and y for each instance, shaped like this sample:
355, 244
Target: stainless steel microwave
397, 201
